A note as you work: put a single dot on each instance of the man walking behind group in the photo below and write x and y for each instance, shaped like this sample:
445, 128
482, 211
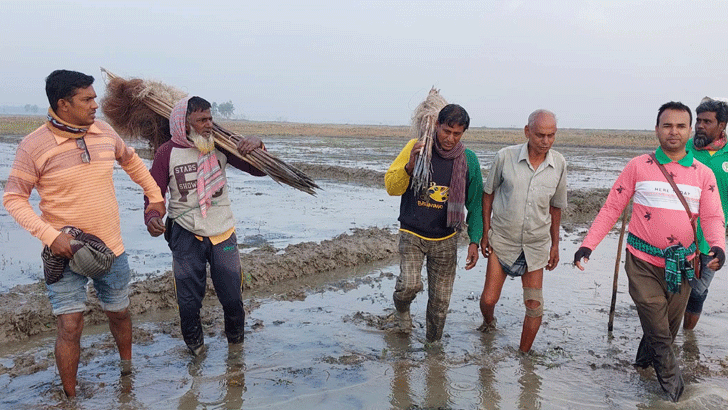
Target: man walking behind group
524, 194
661, 239
430, 220
69, 160
709, 147
200, 226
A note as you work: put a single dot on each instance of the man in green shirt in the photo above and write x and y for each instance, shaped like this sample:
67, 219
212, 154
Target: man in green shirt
709, 147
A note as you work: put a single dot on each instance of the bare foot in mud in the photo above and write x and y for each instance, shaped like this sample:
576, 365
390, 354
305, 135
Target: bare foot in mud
488, 327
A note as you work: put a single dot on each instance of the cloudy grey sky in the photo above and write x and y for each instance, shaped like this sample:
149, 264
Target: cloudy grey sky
596, 63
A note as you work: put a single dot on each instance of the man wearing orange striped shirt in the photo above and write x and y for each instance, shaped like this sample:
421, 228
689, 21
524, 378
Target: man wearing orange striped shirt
70, 161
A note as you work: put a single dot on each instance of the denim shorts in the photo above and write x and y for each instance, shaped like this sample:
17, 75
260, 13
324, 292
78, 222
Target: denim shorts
68, 295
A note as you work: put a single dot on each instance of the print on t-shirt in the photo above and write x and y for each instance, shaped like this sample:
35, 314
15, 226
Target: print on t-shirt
185, 176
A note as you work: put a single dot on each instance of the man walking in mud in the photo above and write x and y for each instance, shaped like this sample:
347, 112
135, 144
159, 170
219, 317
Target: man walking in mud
709, 147
200, 227
524, 194
429, 220
69, 160
661, 239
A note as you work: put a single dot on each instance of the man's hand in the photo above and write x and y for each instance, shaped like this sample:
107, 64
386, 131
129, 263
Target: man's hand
61, 246
158, 207
246, 145
156, 226
553, 258
416, 150
472, 256
485, 246
582, 253
718, 258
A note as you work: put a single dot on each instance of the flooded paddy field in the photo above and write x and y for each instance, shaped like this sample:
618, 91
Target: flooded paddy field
324, 338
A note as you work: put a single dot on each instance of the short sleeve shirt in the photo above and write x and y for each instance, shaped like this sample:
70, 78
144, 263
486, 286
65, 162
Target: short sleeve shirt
520, 220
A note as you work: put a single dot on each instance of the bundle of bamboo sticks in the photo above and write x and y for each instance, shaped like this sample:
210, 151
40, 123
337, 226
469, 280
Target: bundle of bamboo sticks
424, 120
162, 104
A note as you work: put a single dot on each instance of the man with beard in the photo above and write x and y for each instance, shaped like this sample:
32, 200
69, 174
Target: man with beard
661, 241
69, 160
709, 147
200, 226
430, 220
524, 194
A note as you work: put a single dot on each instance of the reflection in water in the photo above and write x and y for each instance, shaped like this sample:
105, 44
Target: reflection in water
437, 388
489, 397
125, 393
398, 346
226, 390
437, 383
530, 397
235, 377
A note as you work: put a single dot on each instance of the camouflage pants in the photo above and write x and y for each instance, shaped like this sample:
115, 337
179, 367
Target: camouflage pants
441, 263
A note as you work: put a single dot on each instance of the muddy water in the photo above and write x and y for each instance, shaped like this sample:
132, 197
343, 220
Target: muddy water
275, 215
327, 342
336, 349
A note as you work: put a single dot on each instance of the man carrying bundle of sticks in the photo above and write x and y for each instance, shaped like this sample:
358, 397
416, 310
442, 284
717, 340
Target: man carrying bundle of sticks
200, 226
670, 189
430, 219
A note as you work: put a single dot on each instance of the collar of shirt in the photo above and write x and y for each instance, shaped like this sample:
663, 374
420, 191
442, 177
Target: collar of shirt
663, 159
523, 156
93, 129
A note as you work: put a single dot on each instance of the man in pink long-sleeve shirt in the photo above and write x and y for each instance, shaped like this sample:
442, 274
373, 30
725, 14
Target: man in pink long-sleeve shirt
70, 160
660, 232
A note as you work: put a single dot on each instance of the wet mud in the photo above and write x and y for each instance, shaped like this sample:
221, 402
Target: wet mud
320, 330
25, 310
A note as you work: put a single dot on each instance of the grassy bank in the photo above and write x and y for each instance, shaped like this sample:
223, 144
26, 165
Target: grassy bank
21, 125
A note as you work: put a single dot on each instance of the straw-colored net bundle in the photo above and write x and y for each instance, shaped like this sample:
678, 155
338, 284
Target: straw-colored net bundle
141, 108
423, 127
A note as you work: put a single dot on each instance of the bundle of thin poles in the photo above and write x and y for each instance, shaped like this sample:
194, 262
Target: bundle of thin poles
423, 127
122, 107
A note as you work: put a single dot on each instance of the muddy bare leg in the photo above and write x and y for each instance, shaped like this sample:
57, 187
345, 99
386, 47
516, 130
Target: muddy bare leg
120, 326
68, 349
494, 280
533, 299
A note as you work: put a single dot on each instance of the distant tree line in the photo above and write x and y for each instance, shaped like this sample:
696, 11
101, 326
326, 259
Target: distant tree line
29, 109
225, 110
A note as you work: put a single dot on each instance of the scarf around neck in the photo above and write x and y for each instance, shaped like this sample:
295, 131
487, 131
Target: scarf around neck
209, 174
456, 199
63, 128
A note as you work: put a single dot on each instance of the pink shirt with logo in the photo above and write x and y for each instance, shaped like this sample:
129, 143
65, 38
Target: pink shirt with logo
658, 216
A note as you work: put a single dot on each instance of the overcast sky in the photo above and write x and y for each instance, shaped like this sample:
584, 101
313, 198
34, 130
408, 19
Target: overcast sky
596, 64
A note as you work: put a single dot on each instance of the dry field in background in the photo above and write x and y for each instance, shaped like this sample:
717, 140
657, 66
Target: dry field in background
21, 125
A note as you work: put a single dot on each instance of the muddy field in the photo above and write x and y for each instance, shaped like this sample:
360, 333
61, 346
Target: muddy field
319, 273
